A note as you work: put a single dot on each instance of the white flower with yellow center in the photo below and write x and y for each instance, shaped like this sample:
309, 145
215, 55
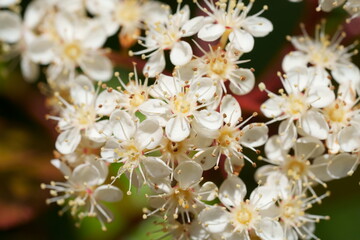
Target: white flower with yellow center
304, 167
324, 54
239, 216
167, 35
222, 66
304, 96
80, 117
178, 104
134, 93
291, 209
73, 42
184, 200
340, 114
229, 19
84, 191
231, 137
132, 143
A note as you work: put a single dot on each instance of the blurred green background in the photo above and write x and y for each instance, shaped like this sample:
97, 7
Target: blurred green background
27, 143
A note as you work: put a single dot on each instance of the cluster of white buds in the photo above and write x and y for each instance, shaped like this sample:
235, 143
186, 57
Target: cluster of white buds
169, 135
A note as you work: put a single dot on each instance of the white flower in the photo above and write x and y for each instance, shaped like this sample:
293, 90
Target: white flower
229, 19
323, 53
306, 93
241, 216
173, 153
291, 210
134, 93
167, 36
80, 116
229, 138
129, 15
84, 191
303, 167
178, 104
221, 66
131, 145
341, 113
70, 43
17, 36
184, 199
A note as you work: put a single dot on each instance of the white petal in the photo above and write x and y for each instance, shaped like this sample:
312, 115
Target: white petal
108, 193
230, 109
314, 124
94, 35
149, 134
41, 50
85, 174
65, 26
203, 89
211, 32
64, 169
320, 97
82, 91
177, 129
97, 67
293, 60
155, 64
169, 85
209, 119
188, 173
215, 219
242, 81
108, 101
67, 141
207, 158
258, 26
306, 145
345, 73
297, 80
100, 131
242, 40
232, 191
156, 167
208, 191
108, 150
263, 197
287, 133
320, 168
181, 53
154, 107
274, 149
342, 165
255, 135
271, 108
349, 139
192, 26
29, 69
269, 229
123, 125
10, 27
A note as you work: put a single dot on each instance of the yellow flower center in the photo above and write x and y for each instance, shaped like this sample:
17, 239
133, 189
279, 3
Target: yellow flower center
181, 105
228, 135
73, 51
295, 168
296, 104
336, 112
128, 12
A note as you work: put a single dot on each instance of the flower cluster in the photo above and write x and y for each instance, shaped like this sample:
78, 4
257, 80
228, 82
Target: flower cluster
169, 135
